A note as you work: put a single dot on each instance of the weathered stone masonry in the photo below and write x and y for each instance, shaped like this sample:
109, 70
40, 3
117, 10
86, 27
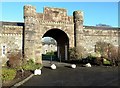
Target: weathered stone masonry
68, 31
10, 38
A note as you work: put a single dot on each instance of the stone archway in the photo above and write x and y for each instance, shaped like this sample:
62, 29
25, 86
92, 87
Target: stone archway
38, 25
62, 42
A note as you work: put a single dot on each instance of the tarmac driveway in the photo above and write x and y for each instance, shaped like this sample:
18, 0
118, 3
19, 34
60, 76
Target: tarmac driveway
80, 76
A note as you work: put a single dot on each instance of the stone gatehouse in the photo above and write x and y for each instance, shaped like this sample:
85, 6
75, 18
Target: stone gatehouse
68, 31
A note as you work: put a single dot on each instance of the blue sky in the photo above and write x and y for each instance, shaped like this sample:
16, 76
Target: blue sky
94, 12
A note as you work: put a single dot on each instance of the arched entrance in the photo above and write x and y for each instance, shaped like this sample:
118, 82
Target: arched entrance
62, 42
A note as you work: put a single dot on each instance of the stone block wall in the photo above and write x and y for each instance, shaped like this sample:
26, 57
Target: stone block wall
56, 15
10, 39
96, 34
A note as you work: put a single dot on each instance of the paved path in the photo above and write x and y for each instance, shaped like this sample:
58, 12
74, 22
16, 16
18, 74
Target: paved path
81, 76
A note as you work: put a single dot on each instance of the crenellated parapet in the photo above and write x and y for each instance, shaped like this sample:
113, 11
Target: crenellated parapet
12, 30
29, 11
56, 15
40, 16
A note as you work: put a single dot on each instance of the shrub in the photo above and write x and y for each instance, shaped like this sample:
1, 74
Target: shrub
8, 74
95, 54
109, 52
106, 62
90, 59
77, 53
102, 48
82, 53
96, 58
15, 59
30, 65
114, 55
73, 53
50, 53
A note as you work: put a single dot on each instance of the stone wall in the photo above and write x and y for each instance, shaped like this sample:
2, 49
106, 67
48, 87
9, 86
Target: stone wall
96, 34
11, 39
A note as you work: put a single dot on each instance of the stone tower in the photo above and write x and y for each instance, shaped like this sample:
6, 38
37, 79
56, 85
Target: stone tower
29, 15
30, 22
78, 27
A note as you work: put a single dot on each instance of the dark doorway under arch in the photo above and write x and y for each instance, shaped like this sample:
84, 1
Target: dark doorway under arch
62, 42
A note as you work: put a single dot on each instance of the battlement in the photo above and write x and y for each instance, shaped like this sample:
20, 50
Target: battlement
56, 15
49, 14
8, 29
55, 10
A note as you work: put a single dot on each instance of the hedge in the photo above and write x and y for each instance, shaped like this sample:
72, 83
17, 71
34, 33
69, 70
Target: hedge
8, 74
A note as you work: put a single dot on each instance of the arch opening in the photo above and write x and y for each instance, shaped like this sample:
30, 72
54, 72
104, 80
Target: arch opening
62, 43
47, 43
